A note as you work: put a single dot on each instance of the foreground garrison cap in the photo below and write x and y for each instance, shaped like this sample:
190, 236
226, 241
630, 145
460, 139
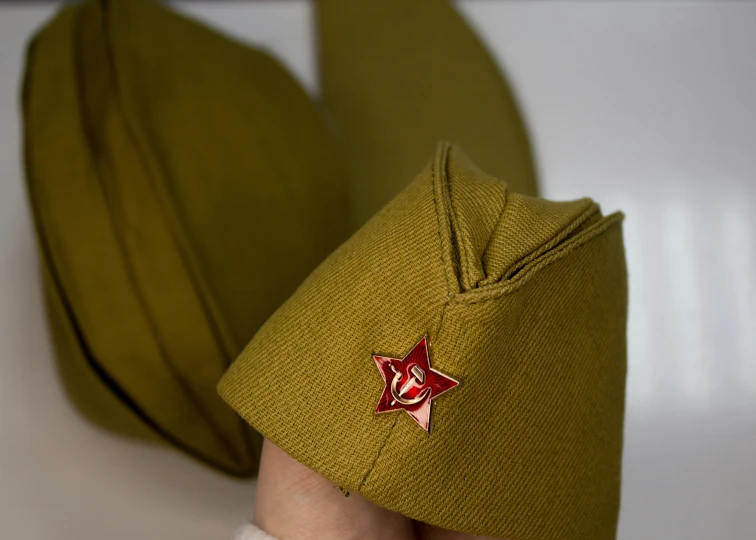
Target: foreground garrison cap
182, 186
520, 304
398, 76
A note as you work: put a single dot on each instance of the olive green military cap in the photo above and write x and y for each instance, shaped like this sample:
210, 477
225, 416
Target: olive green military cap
398, 76
182, 186
520, 304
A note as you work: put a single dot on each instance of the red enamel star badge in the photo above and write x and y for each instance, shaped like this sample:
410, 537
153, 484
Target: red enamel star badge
411, 384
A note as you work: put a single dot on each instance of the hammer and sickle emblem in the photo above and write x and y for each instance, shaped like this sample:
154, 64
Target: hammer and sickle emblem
417, 378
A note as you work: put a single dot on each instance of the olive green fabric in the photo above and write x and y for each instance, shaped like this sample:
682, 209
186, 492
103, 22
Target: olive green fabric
524, 303
398, 76
182, 185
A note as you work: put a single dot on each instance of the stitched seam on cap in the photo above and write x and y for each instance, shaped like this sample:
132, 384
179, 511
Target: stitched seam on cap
380, 451
441, 156
561, 235
219, 335
399, 413
501, 289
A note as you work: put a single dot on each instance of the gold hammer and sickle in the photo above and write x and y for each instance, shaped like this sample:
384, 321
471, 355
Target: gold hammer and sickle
418, 377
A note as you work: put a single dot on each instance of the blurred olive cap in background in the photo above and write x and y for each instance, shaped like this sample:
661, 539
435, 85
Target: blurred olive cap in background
398, 76
182, 185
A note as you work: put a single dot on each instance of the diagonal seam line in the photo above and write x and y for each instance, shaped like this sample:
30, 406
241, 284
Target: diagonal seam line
192, 397
378, 454
223, 342
391, 429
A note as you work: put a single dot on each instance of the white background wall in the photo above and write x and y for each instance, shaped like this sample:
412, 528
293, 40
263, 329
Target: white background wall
645, 106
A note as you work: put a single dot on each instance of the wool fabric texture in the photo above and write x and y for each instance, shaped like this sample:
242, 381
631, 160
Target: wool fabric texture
399, 76
523, 301
167, 168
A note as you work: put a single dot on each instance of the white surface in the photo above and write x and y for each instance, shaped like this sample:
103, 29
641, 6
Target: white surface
251, 532
648, 107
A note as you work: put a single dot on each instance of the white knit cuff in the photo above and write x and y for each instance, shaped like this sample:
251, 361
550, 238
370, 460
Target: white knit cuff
251, 532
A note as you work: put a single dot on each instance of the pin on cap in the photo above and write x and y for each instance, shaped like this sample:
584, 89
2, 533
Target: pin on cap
411, 384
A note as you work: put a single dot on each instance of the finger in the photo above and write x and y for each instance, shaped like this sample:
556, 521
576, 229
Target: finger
293, 502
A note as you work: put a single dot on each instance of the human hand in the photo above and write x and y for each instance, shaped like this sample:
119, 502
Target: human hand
294, 502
